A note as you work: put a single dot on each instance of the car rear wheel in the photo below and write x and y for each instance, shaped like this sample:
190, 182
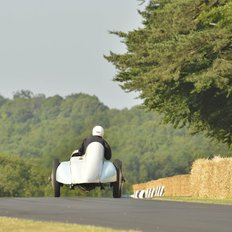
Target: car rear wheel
117, 186
55, 184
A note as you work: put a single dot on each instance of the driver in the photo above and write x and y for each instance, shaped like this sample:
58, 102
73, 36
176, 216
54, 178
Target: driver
97, 136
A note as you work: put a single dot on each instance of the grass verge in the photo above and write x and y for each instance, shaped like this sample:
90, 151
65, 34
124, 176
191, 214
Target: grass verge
21, 225
197, 200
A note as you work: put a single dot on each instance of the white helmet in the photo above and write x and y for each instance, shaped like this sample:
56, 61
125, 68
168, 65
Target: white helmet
98, 131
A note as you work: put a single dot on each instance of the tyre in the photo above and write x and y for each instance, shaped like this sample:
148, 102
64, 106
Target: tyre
55, 184
118, 164
117, 186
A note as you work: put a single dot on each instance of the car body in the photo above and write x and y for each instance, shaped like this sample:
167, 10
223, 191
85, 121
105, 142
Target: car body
88, 171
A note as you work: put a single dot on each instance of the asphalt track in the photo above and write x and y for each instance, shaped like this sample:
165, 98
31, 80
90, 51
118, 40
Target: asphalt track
124, 213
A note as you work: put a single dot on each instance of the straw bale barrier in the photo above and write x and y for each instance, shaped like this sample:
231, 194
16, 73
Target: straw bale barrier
212, 178
173, 186
208, 179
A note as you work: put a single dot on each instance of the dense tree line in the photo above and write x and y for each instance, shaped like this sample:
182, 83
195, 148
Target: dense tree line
34, 129
23, 177
180, 61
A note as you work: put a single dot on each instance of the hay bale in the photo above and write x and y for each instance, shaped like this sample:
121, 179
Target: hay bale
174, 186
212, 178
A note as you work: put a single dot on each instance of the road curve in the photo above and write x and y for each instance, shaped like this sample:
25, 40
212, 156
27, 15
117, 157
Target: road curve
124, 213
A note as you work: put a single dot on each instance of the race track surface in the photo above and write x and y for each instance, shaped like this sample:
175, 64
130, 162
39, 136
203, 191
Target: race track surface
124, 213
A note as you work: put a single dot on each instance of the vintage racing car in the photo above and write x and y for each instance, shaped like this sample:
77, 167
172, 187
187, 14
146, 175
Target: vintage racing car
88, 171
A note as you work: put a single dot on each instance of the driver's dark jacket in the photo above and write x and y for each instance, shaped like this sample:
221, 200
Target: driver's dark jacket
87, 141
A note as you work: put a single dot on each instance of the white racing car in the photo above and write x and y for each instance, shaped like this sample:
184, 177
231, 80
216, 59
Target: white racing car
88, 171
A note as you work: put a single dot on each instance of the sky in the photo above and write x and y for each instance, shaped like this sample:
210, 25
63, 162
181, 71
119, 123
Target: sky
57, 47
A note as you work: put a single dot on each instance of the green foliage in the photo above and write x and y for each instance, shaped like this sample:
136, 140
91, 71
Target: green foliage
181, 64
22, 177
35, 130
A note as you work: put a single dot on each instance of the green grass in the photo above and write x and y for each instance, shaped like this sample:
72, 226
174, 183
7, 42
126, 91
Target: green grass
21, 225
197, 200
